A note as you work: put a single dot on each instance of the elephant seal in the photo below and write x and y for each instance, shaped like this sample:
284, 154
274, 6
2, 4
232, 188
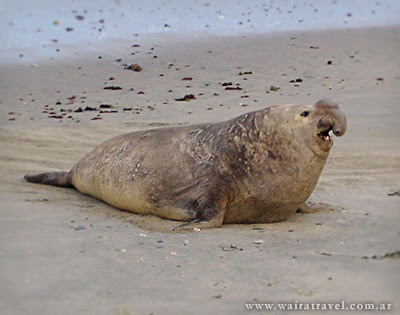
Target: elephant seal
256, 168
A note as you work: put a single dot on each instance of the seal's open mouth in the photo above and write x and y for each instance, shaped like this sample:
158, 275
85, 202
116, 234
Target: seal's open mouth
324, 135
323, 138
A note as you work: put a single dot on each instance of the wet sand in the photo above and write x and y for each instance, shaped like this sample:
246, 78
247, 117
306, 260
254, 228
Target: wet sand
64, 252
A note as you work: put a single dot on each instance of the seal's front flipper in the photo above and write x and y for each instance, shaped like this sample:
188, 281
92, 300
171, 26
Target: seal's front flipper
208, 210
209, 213
60, 179
201, 224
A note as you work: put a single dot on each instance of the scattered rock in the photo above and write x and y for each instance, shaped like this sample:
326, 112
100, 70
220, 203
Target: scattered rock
394, 193
231, 88
112, 87
395, 254
230, 248
134, 67
186, 98
87, 108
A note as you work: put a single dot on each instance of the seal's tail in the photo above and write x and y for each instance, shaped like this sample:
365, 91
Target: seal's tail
61, 179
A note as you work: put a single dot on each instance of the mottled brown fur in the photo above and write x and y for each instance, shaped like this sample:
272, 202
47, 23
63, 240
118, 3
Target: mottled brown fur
256, 168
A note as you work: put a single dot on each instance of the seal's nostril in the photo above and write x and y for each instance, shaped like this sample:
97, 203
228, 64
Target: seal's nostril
337, 132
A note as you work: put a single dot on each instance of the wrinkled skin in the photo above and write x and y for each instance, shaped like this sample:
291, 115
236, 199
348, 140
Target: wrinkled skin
259, 167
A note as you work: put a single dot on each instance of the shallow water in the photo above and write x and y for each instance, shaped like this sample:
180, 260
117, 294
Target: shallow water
44, 24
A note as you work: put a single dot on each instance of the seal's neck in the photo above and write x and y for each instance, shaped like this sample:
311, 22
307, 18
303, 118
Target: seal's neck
247, 128
274, 141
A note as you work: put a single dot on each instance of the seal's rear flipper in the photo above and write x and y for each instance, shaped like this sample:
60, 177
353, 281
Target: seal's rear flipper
61, 179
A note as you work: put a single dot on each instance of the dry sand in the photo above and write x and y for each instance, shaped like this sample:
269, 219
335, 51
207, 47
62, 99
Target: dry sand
62, 252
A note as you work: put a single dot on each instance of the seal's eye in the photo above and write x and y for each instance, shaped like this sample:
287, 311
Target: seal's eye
305, 113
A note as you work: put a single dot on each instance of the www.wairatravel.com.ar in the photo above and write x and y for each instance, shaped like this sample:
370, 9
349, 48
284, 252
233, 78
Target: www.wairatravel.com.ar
339, 306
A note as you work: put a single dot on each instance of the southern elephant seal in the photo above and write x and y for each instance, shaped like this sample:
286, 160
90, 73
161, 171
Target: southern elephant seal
256, 168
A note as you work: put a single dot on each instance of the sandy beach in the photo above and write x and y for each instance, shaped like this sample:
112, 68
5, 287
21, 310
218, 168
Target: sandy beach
62, 252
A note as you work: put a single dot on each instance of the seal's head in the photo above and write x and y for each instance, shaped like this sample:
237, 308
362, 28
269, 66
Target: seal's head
320, 119
313, 124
